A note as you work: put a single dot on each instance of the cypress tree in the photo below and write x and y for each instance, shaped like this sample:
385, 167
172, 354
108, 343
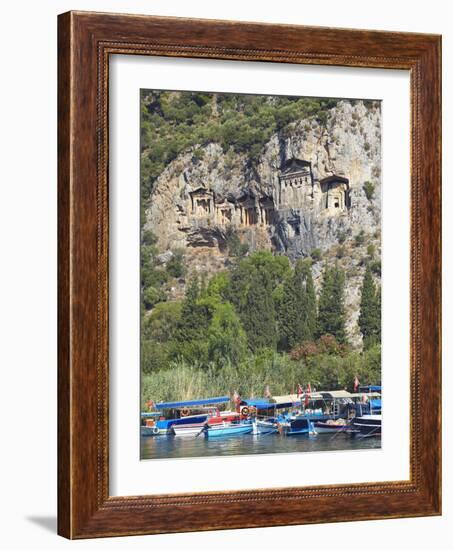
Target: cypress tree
288, 315
310, 305
332, 316
297, 312
194, 316
370, 311
258, 317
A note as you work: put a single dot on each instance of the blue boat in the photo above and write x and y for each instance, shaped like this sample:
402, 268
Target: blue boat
180, 413
228, 430
297, 425
262, 427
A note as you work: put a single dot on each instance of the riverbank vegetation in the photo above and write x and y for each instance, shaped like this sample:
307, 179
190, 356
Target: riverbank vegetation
258, 323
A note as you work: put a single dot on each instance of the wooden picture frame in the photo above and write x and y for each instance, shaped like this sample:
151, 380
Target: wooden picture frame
85, 41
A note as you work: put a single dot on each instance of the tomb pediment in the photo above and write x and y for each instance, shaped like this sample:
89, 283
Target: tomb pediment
295, 166
330, 181
201, 191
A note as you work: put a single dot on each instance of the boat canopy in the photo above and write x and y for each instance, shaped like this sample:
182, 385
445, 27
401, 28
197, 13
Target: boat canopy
258, 403
368, 389
315, 396
369, 395
337, 394
281, 400
192, 403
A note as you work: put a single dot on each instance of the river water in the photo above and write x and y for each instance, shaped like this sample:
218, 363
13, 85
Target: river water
248, 444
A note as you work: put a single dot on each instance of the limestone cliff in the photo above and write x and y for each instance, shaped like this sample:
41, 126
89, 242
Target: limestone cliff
306, 191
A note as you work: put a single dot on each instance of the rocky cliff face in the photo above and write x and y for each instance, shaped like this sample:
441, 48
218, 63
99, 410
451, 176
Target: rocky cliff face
305, 192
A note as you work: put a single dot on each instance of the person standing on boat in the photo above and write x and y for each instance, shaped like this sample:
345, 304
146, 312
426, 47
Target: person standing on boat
237, 401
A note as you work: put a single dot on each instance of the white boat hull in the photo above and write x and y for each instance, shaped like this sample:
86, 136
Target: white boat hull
187, 431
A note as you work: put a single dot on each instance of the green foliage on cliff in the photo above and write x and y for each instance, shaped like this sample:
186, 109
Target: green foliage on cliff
172, 122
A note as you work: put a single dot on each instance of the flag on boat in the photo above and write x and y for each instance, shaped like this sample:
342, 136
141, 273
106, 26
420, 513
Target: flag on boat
267, 392
356, 384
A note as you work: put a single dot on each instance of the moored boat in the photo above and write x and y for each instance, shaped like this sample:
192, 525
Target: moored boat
261, 427
298, 425
332, 426
229, 429
368, 425
179, 413
224, 416
148, 430
148, 424
188, 430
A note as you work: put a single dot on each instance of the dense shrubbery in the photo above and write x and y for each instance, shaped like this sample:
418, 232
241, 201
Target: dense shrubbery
268, 367
257, 323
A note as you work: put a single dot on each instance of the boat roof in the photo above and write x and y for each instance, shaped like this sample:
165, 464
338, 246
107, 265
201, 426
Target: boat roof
192, 403
370, 388
259, 403
149, 414
285, 399
336, 394
315, 396
368, 394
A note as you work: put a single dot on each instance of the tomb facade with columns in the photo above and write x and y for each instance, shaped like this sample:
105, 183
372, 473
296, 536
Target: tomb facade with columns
297, 192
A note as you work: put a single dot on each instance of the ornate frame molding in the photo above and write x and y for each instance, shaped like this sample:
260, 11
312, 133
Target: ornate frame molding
86, 40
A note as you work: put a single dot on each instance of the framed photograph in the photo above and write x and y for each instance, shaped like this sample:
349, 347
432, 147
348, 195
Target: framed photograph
249, 275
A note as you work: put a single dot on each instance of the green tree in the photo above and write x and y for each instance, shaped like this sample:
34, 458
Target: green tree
175, 266
152, 296
331, 315
161, 324
218, 286
274, 269
310, 313
226, 337
370, 311
258, 317
288, 315
195, 316
297, 307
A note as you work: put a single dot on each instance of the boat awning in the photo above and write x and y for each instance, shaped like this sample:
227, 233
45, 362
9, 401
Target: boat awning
192, 403
281, 400
361, 394
258, 403
368, 389
337, 394
316, 396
